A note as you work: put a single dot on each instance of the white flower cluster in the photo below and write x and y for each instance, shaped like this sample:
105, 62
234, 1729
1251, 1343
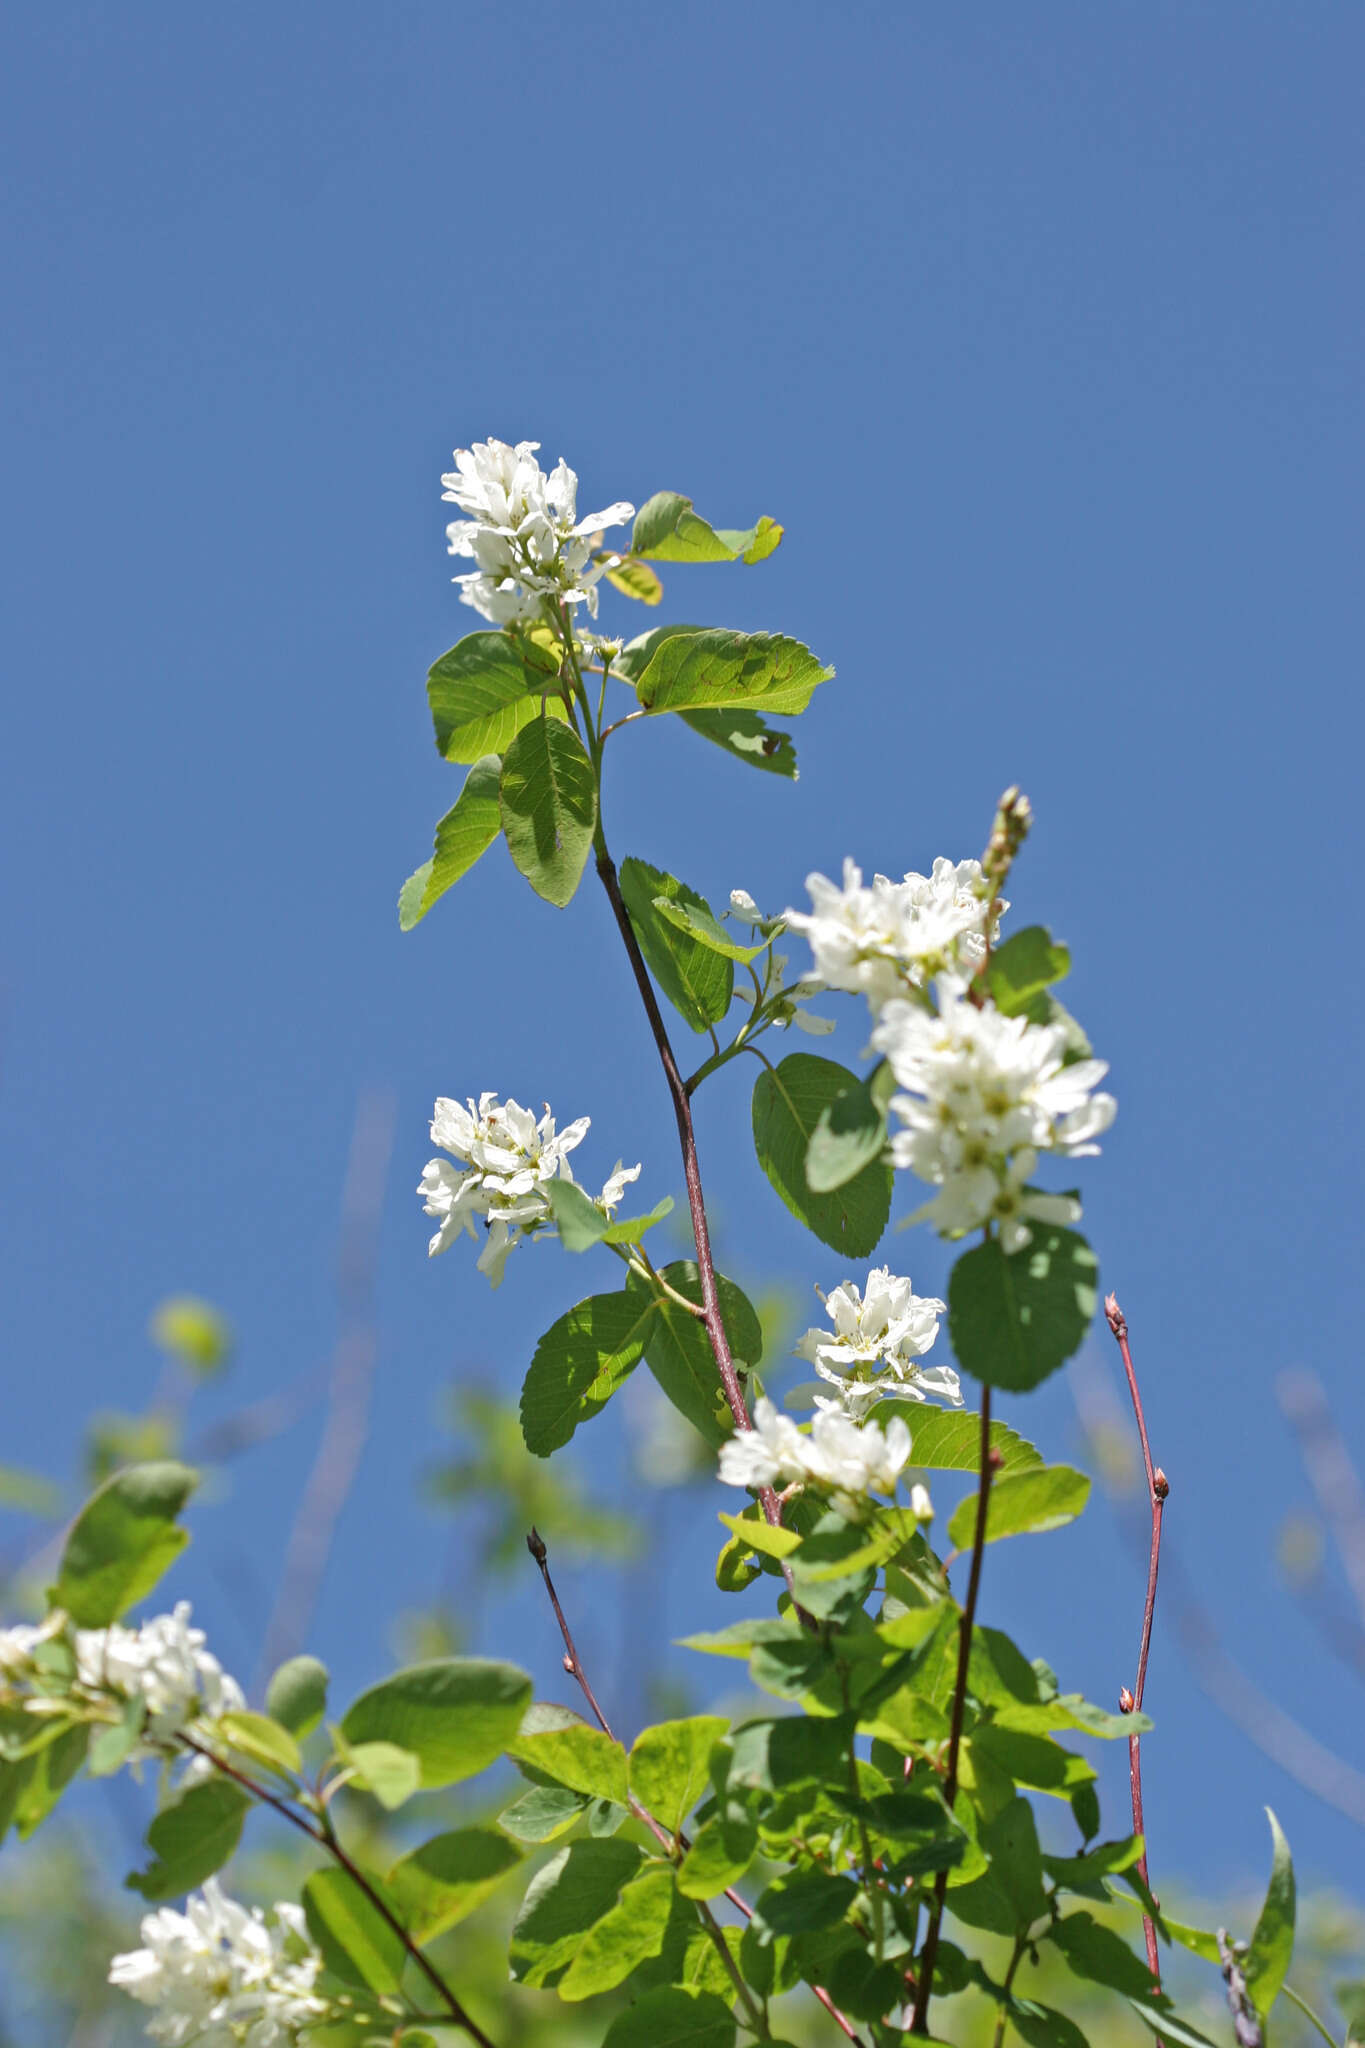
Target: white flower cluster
840, 1458
522, 533
222, 1977
164, 1663
984, 1095
880, 1333
881, 939
509, 1158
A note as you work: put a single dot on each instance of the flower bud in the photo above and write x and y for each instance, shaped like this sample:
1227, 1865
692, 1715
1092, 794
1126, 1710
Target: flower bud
1161, 1485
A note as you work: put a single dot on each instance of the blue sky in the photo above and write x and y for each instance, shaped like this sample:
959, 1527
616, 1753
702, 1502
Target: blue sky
1041, 331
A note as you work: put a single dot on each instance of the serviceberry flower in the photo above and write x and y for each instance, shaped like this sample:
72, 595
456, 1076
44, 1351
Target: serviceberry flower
528, 546
886, 938
880, 1333
844, 1460
985, 1094
221, 1976
509, 1158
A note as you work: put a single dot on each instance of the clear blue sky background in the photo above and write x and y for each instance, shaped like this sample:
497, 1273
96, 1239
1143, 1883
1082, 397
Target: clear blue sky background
1041, 330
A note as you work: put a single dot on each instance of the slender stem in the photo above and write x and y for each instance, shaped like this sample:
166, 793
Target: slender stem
928, 1954
1306, 2009
1002, 2017
1157, 1489
326, 1838
535, 1543
733, 1971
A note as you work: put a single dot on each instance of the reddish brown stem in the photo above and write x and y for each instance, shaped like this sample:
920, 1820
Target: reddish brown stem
687, 1139
929, 1953
1157, 1490
327, 1840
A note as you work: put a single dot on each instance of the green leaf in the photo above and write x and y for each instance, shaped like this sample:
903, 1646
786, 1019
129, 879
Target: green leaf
192, 1839
542, 1813
670, 1766
1159, 2015
263, 1740
668, 530
356, 1940
630, 1229
482, 693
748, 737
696, 919
46, 1775
630, 1932
678, 1351
949, 1439
803, 1902
193, 1333
850, 1134
1033, 1760
566, 1897
579, 1363
696, 980
633, 578
389, 1774
456, 1714
1101, 1955
580, 1757
1023, 967
718, 1858
580, 1222
1013, 1320
442, 1882
1272, 1945
685, 668
297, 1695
669, 2018
756, 1532
122, 1542
787, 1106
1104, 1860
111, 1747
466, 831
1010, 1896
1041, 2027
1023, 1502
548, 799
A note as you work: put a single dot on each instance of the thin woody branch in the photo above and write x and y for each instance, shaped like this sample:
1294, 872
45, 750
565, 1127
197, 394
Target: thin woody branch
1131, 1702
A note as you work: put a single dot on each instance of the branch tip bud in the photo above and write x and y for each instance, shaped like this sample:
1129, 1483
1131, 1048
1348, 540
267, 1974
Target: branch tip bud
1114, 1316
535, 1543
1125, 1701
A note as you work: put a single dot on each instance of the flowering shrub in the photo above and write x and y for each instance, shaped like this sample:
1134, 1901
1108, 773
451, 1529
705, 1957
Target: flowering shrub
826, 1845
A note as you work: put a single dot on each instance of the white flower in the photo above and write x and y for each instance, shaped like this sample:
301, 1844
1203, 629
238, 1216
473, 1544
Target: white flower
509, 1158
920, 1504
522, 533
883, 939
841, 1458
163, 1663
879, 1336
18, 1644
985, 1094
220, 1976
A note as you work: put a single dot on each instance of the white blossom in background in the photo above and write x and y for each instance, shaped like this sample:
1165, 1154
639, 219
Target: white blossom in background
220, 1976
882, 938
522, 532
166, 1664
509, 1157
985, 1094
879, 1335
843, 1459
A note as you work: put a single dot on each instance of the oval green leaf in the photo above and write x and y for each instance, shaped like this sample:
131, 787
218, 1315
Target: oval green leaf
1014, 1320
579, 1363
548, 801
122, 1541
456, 1714
787, 1106
466, 831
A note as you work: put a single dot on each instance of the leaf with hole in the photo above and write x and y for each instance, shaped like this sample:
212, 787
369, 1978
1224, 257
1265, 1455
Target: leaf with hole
748, 737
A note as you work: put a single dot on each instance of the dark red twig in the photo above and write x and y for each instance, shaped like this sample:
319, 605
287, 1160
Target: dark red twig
573, 1664
327, 1840
989, 1460
1131, 1702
